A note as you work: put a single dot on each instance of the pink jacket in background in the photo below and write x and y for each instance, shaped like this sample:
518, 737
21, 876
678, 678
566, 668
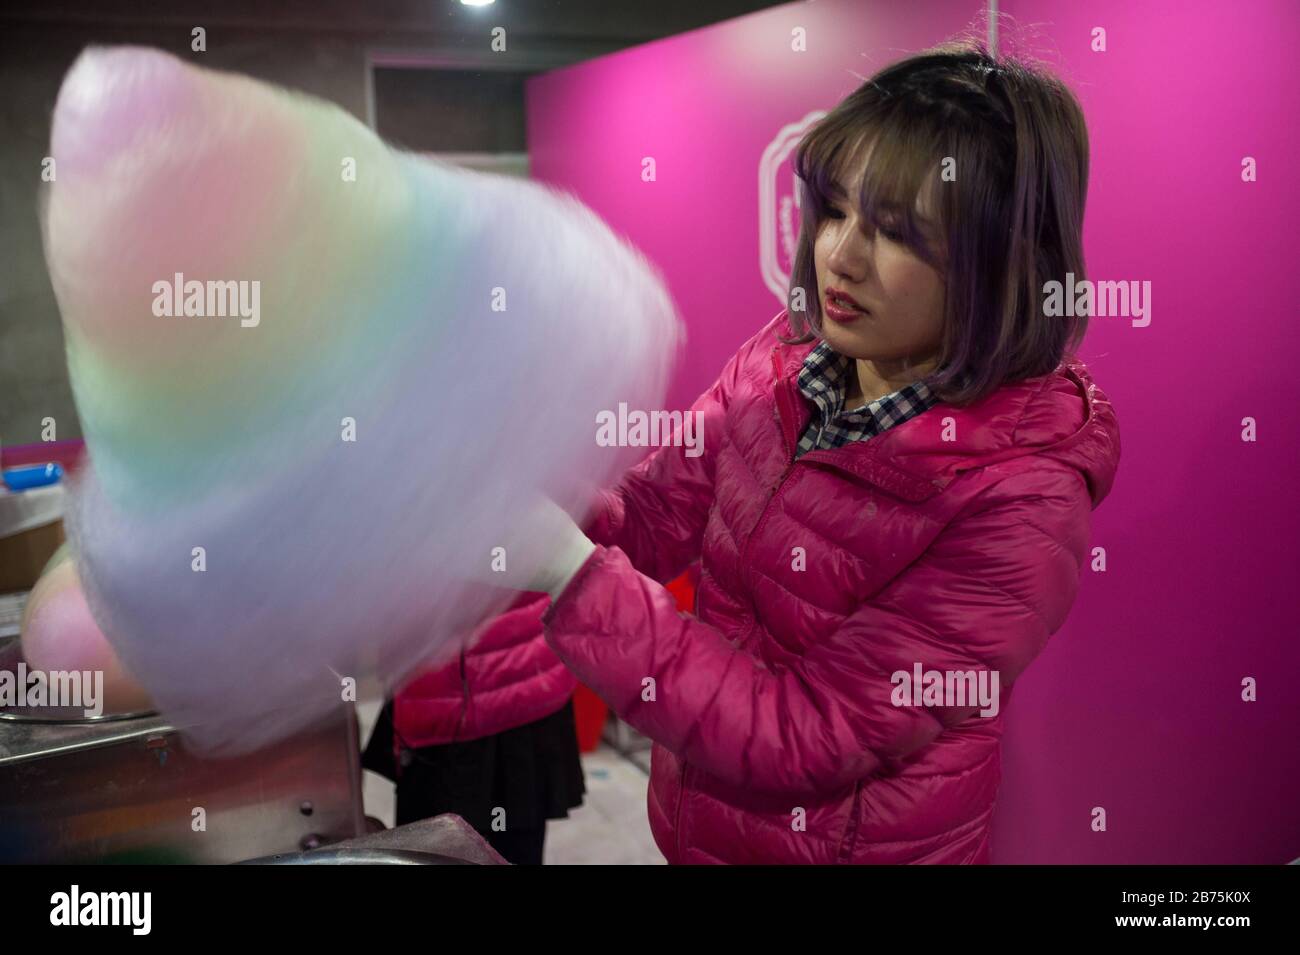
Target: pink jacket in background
506, 677
954, 541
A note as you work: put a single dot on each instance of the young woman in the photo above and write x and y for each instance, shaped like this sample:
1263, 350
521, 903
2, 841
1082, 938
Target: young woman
897, 478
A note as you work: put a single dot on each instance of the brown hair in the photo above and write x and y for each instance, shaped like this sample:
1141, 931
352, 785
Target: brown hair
1011, 221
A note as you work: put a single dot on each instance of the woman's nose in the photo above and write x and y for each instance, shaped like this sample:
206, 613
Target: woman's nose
850, 255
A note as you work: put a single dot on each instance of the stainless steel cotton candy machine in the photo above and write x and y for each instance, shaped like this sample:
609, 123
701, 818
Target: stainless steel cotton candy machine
124, 788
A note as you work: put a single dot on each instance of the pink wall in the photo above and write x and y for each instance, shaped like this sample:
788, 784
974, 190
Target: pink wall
1135, 706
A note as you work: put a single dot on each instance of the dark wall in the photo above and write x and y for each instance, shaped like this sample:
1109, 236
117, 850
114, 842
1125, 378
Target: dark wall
33, 60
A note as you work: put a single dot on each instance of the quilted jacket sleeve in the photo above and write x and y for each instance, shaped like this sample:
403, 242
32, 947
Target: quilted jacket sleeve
986, 595
658, 511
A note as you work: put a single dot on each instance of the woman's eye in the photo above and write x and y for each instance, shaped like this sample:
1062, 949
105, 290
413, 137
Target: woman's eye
890, 231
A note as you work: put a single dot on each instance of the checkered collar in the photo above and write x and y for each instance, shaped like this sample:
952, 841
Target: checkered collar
823, 379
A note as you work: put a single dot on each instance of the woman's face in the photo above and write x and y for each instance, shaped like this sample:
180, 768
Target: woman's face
903, 295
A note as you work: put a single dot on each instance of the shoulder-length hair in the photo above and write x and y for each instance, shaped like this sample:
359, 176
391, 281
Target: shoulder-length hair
997, 151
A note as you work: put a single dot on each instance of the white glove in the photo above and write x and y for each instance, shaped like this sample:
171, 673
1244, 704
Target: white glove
547, 550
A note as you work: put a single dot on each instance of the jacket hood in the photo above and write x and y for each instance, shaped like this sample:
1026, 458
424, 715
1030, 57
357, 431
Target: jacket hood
1063, 416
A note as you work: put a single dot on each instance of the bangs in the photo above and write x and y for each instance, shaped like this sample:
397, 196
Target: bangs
899, 159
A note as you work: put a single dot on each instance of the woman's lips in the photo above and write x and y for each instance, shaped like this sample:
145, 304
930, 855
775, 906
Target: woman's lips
839, 310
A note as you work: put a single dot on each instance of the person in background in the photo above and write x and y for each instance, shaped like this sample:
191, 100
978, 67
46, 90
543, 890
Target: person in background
490, 737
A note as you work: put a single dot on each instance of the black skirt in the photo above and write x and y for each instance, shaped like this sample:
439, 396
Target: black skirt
531, 772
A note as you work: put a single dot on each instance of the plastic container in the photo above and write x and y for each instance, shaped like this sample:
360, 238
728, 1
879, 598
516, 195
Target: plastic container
32, 475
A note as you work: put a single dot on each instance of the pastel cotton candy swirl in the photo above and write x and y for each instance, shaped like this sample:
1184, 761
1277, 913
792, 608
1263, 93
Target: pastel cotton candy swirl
244, 555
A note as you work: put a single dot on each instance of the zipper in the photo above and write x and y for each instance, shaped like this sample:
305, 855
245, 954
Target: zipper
789, 423
786, 424
851, 831
787, 419
677, 821
855, 459
464, 690
762, 518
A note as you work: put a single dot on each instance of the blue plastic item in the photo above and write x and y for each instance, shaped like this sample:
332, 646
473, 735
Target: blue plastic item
33, 475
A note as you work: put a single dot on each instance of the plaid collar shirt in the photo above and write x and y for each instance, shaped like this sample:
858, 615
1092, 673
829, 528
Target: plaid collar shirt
823, 380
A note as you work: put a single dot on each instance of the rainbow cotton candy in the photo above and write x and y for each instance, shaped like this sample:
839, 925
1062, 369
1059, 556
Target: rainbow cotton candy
243, 556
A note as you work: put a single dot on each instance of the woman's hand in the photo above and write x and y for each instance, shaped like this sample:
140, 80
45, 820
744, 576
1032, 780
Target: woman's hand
547, 550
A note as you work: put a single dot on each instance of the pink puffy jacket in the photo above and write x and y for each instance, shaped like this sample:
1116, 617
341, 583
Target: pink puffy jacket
954, 541
507, 677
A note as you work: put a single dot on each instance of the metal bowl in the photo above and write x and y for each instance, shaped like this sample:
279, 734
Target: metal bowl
357, 856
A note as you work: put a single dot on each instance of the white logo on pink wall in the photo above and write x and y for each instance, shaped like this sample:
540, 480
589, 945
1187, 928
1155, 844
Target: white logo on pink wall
778, 206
